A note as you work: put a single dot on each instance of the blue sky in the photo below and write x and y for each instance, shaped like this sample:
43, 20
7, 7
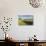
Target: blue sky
26, 16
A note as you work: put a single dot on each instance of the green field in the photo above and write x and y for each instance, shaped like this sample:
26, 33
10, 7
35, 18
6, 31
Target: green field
21, 22
24, 22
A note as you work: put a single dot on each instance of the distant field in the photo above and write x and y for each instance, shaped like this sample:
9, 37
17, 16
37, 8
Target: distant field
24, 22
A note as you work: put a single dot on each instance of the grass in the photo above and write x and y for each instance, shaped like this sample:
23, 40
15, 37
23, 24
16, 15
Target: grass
21, 22
24, 22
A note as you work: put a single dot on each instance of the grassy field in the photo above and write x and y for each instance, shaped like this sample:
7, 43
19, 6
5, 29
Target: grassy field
24, 22
21, 22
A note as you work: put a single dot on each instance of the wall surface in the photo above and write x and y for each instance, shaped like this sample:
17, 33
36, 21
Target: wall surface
13, 8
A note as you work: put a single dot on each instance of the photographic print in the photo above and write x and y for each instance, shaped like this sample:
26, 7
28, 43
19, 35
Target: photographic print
25, 19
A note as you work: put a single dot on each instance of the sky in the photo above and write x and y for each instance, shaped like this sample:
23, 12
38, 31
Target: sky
26, 16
